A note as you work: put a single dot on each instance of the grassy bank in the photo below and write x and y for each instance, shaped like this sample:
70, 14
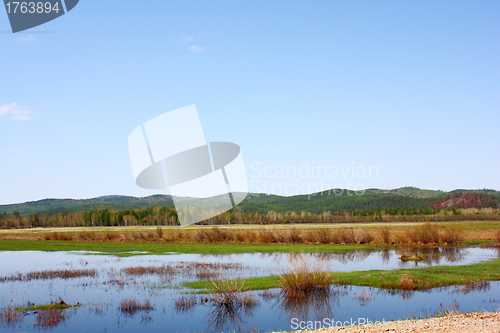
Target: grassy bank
46, 307
404, 279
162, 248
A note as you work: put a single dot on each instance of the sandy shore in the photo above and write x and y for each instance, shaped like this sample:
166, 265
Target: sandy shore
473, 322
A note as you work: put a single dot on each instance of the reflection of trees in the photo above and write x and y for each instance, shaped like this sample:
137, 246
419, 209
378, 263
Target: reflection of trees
430, 256
385, 255
315, 304
471, 287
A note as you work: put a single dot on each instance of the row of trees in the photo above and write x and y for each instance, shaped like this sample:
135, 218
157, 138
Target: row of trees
167, 216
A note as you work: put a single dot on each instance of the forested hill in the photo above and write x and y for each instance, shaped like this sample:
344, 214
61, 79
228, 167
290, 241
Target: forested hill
65, 206
333, 201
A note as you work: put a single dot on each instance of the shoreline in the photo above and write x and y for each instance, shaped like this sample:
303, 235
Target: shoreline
469, 322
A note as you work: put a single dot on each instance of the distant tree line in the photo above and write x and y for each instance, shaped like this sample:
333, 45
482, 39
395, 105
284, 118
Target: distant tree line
167, 216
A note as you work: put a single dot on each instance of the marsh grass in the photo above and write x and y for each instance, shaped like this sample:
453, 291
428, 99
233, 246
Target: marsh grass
149, 270
11, 316
50, 274
304, 275
451, 236
50, 318
183, 303
384, 235
132, 306
225, 291
427, 233
61, 305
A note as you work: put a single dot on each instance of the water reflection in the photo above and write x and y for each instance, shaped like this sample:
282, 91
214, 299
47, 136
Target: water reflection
412, 257
316, 304
232, 315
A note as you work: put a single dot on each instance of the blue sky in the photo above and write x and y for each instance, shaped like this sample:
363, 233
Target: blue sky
410, 89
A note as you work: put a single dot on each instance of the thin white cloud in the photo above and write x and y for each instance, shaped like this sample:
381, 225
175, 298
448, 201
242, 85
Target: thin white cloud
15, 149
26, 39
16, 112
186, 39
196, 48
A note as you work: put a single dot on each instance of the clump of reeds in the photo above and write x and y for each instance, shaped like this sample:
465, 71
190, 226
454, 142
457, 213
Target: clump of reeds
58, 236
363, 236
206, 274
10, 316
295, 236
184, 303
497, 236
451, 236
149, 270
384, 235
110, 236
304, 275
346, 235
225, 291
50, 318
50, 274
426, 233
214, 235
159, 232
131, 306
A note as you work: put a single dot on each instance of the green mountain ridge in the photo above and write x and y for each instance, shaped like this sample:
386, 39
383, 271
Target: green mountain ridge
333, 200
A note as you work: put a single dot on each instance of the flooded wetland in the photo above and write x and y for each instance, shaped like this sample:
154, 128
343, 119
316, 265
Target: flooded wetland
90, 291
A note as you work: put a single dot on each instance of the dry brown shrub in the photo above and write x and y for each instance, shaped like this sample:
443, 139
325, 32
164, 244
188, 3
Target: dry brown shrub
269, 236
325, 236
111, 236
451, 236
159, 232
363, 236
240, 236
384, 235
295, 236
427, 233
407, 283
346, 235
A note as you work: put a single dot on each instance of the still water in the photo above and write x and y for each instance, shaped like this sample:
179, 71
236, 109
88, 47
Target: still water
100, 296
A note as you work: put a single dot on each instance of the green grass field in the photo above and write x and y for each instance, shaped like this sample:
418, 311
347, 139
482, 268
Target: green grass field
422, 278
163, 248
